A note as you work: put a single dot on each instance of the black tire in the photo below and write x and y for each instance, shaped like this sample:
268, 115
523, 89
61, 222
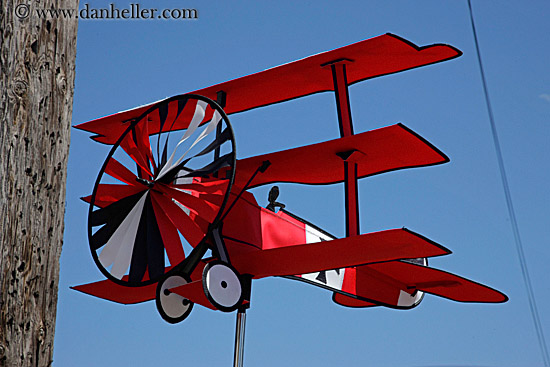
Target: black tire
172, 307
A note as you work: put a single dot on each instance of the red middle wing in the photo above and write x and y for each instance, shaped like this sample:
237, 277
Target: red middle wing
377, 151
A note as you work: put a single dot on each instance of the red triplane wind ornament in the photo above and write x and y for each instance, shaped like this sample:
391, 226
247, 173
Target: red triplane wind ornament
171, 189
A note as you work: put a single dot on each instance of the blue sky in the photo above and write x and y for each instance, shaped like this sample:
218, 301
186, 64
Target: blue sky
126, 63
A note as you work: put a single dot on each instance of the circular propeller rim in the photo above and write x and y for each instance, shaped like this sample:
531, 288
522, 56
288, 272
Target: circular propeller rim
114, 148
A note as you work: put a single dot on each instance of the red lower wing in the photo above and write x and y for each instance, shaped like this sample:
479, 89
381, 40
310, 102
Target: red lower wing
341, 253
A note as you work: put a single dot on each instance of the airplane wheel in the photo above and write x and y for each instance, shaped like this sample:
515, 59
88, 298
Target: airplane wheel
163, 185
172, 307
222, 286
413, 300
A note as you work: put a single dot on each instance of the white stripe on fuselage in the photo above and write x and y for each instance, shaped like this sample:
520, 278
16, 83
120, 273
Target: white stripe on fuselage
330, 278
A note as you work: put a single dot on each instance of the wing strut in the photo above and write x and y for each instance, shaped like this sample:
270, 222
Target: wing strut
339, 79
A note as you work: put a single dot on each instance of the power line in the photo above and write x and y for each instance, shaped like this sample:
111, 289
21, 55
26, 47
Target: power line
511, 211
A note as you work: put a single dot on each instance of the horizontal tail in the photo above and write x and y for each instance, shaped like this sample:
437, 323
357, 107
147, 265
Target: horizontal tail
400, 284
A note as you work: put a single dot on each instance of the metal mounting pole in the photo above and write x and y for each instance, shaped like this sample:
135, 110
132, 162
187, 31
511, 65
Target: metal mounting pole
246, 282
239, 337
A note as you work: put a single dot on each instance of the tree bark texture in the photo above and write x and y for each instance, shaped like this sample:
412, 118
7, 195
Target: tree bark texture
37, 69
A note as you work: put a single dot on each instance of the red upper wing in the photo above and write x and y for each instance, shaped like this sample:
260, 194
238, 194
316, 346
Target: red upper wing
382, 55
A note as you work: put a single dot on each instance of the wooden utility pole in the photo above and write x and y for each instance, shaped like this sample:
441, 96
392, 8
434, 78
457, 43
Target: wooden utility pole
37, 69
